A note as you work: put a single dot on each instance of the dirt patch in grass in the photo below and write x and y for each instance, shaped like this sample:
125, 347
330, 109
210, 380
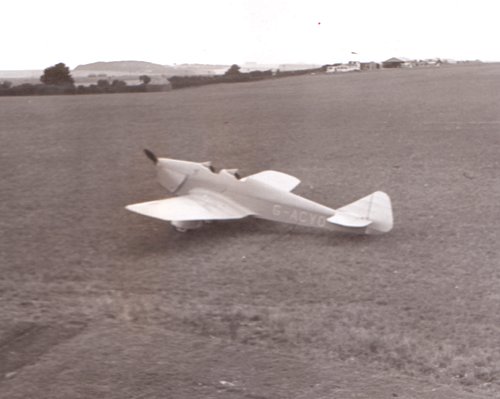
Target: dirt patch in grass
24, 343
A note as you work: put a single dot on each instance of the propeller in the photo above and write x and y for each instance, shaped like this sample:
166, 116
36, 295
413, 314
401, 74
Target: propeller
150, 155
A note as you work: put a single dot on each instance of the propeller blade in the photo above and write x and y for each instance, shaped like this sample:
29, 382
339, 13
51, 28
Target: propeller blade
150, 155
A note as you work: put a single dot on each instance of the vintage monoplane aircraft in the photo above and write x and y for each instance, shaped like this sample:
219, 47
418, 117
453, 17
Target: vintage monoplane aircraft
204, 195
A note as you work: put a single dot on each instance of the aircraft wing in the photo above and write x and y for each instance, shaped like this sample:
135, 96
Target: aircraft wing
194, 206
279, 180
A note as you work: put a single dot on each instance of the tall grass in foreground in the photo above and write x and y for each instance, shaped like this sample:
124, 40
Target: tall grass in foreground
320, 331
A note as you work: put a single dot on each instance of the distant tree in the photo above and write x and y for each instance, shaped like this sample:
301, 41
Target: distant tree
118, 84
57, 75
233, 70
6, 85
145, 79
103, 83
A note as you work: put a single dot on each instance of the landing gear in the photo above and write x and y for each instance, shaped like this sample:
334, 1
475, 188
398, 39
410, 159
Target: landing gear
183, 226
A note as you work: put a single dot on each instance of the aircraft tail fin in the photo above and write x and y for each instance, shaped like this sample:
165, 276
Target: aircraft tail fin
372, 213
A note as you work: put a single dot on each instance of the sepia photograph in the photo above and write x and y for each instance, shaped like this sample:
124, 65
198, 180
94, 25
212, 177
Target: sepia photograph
250, 199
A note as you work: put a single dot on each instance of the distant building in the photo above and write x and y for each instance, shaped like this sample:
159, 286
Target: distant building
434, 62
393, 63
351, 66
369, 66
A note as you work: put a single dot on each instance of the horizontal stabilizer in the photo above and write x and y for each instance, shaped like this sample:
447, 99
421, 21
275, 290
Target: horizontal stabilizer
373, 213
275, 179
345, 220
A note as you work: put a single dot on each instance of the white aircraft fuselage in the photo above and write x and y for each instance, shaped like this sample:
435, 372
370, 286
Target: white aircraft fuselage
204, 195
263, 200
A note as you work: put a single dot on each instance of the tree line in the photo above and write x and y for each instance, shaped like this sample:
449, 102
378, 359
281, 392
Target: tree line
233, 74
57, 79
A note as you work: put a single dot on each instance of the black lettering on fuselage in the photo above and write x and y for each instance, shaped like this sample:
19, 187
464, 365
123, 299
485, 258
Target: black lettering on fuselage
296, 216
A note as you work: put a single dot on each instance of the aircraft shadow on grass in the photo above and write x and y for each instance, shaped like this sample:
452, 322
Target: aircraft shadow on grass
259, 234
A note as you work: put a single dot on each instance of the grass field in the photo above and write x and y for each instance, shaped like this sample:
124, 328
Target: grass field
99, 302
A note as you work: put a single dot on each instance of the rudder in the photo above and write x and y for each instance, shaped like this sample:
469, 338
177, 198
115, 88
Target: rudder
376, 208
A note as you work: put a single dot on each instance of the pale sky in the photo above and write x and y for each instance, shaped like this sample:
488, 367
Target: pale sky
39, 33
